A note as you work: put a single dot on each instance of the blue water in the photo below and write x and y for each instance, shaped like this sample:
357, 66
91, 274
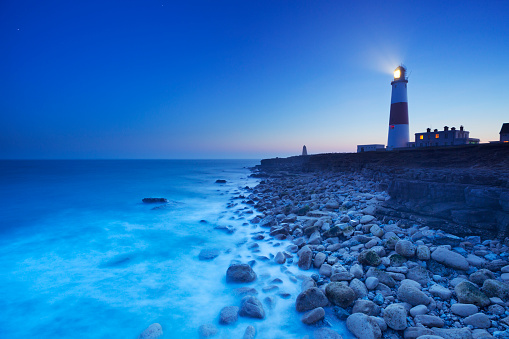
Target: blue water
82, 257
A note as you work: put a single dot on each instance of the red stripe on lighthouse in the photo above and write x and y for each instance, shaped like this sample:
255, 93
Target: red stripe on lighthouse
399, 114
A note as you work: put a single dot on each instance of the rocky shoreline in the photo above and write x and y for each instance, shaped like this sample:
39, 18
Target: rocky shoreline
382, 277
388, 280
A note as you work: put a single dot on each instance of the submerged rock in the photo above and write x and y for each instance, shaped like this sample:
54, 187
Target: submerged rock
240, 273
208, 254
310, 299
154, 331
207, 330
228, 315
251, 307
154, 200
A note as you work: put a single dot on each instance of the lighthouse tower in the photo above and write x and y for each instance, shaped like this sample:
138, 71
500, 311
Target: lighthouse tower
398, 121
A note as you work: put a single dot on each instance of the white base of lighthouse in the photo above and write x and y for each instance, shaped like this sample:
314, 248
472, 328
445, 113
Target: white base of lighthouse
399, 135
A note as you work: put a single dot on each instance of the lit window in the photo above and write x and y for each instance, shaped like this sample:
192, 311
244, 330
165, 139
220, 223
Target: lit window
436, 136
421, 137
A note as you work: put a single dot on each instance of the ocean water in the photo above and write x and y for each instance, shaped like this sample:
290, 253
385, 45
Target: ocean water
82, 257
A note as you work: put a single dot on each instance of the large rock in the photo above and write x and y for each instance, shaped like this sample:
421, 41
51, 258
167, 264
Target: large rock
453, 333
405, 248
154, 331
208, 254
479, 320
250, 333
464, 310
450, 259
313, 316
228, 315
429, 320
412, 295
382, 276
423, 252
363, 326
340, 294
395, 316
369, 257
468, 293
359, 288
310, 299
495, 288
240, 273
319, 259
419, 274
305, 258
479, 276
416, 332
366, 219
440, 291
251, 307
366, 306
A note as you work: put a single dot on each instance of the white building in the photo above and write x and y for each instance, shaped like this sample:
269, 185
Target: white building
370, 148
447, 137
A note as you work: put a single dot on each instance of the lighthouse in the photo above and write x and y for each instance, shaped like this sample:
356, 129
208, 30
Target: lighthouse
398, 121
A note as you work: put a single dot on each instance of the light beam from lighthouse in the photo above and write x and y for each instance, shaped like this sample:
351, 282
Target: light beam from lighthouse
399, 134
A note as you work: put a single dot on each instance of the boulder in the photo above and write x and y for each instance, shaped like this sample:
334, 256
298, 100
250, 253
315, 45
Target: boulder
366, 306
412, 295
453, 333
251, 307
423, 252
429, 320
310, 299
464, 310
208, 254
395, 316
319, 259
369, 257
440, 291
339, 294
450, 259
250, 333
371, 283
228, 315
362, 326
366, 219
479, 320
207, 330
468, 293
382, 276
416, 332
359, 288
405, 248
240, 273
495, 288
479, 276
280, 258
419, 274
313, 316
154, 200
154, 331
305, 258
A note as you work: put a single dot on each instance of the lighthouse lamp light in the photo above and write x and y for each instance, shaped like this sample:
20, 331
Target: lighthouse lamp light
397, 74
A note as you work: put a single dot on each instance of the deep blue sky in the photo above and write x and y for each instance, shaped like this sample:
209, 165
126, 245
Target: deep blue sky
242, 79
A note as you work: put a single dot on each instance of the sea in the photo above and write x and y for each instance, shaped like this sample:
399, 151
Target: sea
81, 256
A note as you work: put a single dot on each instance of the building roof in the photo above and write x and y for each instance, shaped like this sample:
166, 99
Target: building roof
505, 128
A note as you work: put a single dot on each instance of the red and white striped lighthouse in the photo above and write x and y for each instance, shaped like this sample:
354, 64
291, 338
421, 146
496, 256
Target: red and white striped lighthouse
398, 121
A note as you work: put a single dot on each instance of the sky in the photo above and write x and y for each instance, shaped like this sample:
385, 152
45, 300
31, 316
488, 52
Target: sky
242, 79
